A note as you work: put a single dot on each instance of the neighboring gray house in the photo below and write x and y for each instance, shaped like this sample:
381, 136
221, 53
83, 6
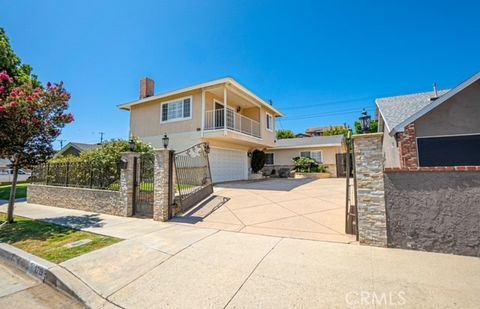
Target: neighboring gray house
75, 149
4, 165
438, 128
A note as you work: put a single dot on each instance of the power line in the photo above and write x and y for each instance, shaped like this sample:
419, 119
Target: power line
327, 103
322, 115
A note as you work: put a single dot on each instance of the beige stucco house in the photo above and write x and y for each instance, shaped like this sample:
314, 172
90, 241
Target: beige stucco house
438, 128
323, 149
232, 119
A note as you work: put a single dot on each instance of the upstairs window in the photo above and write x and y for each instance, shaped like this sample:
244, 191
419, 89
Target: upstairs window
177, 110
269, 122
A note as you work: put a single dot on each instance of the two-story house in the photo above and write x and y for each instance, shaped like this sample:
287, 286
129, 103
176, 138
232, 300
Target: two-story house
233, 120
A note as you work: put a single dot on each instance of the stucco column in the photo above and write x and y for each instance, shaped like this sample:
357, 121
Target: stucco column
161, 203
127, 182
372, 223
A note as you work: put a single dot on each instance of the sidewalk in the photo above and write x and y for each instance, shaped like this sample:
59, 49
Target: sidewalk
166, 264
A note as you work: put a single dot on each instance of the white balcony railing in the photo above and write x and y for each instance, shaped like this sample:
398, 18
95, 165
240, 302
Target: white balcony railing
214, 120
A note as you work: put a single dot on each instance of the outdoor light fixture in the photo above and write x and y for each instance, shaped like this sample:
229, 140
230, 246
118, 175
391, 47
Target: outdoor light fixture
365, 121
131, 144
165, 141
249, 154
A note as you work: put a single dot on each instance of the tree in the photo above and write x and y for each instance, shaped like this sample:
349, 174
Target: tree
30, 120
336, 130
258, 160
281, 134
9, 62
373, 127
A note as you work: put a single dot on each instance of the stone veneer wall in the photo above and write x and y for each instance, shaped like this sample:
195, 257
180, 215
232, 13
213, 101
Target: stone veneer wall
101, 201
408, 147
372, 227
434, 209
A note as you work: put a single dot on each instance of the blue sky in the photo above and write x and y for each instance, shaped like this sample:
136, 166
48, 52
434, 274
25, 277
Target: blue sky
320, 62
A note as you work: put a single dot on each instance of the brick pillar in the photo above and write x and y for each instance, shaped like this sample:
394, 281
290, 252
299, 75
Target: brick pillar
408, 147
126, 183
372, 224
161, 203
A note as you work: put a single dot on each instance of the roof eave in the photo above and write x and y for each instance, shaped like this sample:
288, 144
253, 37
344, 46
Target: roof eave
127, 106
442, 99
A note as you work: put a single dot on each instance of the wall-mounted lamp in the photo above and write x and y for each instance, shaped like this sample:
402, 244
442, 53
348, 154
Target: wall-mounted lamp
165, 141
249, 154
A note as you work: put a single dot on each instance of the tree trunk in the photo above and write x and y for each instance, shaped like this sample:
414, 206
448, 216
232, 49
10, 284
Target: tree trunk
13, 191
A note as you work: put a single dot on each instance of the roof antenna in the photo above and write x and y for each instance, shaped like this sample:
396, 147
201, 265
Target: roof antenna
435, 91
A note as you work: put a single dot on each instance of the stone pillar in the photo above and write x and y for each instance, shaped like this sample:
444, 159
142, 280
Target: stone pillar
126, 183
372, 224
161, 202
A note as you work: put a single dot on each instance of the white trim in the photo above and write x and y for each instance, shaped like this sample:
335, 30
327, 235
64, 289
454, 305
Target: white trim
266, 123
304, 146
230, 80
225, 106
434, 104
233, 131
273, 154
176, 119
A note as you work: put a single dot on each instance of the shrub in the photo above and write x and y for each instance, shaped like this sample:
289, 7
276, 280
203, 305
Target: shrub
258, 160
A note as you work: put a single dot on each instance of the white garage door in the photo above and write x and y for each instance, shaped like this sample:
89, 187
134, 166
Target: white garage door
228, 165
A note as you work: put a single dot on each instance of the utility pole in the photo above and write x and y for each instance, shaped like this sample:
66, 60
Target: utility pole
101, 137
61, 142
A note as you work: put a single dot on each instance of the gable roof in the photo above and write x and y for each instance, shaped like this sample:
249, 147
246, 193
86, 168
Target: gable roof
309, 142
82, 147
398, 112
230, 80
394, 110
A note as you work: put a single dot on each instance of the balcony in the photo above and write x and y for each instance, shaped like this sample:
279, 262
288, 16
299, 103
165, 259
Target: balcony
215, 120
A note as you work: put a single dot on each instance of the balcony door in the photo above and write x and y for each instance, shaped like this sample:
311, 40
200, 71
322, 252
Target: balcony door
220, 117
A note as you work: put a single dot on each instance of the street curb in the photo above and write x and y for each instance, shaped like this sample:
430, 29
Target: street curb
53, 275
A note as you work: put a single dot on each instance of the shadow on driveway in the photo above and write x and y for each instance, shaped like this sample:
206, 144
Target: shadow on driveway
278, 184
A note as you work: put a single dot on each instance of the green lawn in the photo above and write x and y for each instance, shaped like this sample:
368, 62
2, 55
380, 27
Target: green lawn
21, 191
47, 240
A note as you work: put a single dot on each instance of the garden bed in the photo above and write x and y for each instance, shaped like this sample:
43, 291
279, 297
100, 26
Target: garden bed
50, 241
312, 175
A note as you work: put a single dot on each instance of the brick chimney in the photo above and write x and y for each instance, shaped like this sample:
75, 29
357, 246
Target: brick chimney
147, 88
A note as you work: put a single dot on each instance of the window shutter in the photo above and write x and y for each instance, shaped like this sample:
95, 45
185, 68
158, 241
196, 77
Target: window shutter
164, 112
186, 108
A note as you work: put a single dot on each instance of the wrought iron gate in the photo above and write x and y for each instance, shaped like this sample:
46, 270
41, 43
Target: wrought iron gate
351, 214
143, 185
193, 179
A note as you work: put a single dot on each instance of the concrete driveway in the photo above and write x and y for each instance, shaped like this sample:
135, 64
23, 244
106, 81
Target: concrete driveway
294, 208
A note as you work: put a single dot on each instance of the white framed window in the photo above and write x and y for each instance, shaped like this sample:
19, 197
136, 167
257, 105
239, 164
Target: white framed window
269, 158
179, 109
315, 155
269, 122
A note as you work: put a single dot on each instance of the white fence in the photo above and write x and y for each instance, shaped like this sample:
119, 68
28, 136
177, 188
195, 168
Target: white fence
215, 120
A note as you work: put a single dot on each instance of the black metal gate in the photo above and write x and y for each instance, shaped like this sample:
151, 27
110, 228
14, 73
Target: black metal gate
143, 185
193, 180
351, 213
341, 163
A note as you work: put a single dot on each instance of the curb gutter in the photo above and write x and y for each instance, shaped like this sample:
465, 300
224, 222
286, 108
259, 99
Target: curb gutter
53, 275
